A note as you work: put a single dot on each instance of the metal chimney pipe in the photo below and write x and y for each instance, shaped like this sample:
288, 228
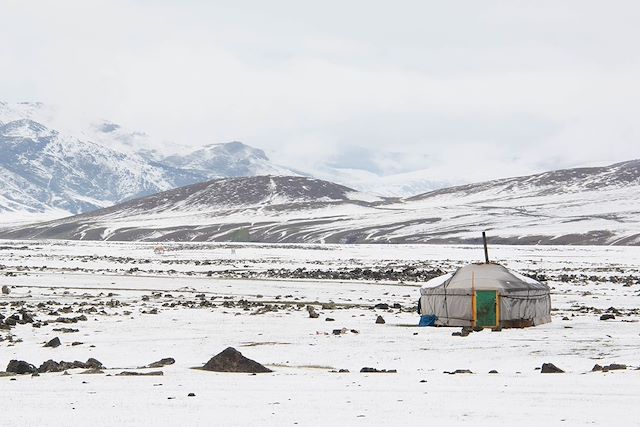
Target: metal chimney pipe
486, 251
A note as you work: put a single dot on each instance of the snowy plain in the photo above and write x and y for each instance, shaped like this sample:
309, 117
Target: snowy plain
127, 281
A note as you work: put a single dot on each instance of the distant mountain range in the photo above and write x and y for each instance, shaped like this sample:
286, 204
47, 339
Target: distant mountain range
574, 206
50, 170
48, 173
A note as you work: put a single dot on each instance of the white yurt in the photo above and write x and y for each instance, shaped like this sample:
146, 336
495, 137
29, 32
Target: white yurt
485, 295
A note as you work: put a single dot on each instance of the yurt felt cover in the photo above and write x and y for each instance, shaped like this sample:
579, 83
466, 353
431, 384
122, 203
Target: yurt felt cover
522, 301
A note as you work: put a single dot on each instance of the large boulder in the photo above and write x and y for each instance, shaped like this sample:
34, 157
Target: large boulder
55, 342
231, 360
550, 368
21, 367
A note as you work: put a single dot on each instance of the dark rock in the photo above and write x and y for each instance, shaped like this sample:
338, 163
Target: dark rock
20, 367
53, 366
65, 330
381, 306
607, 317
75, 343
493, 371
231, 360
550, 368
596, 368
140, 374
55, 342
93, 363
191, 395
380, 320
367, 370
81, 318
329, 319
312, 312
459, 371
614, 367
6, 290
162, 362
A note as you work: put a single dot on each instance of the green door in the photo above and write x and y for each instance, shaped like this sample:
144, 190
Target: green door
486, 308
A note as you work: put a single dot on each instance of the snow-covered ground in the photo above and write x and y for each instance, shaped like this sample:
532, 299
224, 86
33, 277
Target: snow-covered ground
263, 314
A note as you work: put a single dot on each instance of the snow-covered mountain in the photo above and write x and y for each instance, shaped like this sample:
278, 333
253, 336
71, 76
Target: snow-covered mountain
43, 170
50, 170
574, 206
232, 159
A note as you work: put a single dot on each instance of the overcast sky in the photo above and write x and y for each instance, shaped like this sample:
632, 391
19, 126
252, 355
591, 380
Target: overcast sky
485, 88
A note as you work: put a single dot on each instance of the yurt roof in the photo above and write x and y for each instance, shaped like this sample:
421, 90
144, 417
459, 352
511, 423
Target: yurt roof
485, 276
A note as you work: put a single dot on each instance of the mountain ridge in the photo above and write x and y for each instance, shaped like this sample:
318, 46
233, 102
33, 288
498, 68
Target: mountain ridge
598, 208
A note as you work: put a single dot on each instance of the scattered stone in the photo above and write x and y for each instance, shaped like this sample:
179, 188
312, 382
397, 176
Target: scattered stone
614, 367
493, 371
75, 343
607, 317
367, 370
161, 363
93, 371
459, 371
381, 306
140, 374
81, 318
312, 312
607, 368
231, 360
20, 367
329, 319
55, 342
66, 330
380, 320
53, 366
464, 332
191, 395
6, 290
550, 368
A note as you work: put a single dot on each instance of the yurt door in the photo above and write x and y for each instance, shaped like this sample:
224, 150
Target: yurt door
486, 307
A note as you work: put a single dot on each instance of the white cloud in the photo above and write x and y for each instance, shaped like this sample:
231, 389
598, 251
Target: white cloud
495, 88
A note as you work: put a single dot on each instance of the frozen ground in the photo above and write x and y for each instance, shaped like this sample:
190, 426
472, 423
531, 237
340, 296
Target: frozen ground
253, 297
